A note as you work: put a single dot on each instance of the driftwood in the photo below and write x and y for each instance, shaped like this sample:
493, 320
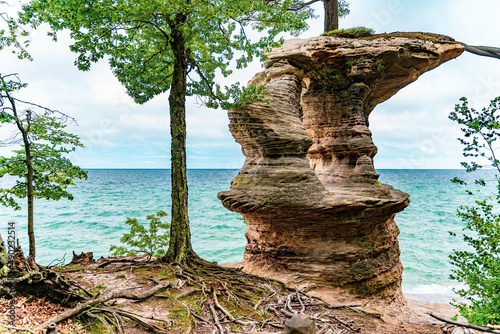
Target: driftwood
83, 258
479, 328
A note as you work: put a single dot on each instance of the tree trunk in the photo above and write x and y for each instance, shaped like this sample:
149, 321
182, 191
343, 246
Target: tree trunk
29, 178
29, 181
180, 236
331, 14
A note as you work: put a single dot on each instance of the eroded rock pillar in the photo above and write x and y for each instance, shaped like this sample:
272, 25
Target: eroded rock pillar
316, 213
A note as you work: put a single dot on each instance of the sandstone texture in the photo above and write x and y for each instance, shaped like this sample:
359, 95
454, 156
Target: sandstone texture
316, 213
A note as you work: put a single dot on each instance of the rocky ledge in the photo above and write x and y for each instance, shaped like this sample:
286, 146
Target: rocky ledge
316, 213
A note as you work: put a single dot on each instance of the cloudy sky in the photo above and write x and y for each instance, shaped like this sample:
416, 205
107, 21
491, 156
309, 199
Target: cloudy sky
411, 129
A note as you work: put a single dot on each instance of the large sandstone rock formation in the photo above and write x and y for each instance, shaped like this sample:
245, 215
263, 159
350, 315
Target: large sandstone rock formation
314, 207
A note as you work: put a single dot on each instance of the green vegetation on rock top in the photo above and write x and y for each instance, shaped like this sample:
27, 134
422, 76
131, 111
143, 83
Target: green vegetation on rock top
355, 32
368, 34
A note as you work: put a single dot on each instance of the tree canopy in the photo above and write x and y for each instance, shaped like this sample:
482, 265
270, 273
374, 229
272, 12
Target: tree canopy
179, 45
137, 38
12, 35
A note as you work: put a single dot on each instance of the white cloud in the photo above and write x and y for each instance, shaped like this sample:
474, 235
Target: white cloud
120, 133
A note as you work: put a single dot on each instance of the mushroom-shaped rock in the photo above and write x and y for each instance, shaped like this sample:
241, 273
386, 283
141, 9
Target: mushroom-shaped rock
308, 190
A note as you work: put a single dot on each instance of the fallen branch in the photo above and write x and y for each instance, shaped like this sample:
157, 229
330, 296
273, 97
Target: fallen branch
456, 323
102, 299
350, 306
103, 265
18, 329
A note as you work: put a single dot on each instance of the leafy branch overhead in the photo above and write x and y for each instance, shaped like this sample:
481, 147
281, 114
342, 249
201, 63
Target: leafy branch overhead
139, 41
13, 35
481, 130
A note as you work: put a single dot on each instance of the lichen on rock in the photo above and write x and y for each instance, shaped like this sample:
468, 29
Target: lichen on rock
315, 210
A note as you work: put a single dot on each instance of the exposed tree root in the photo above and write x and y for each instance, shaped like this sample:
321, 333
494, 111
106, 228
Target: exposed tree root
31, 279
101, 299
201, 298
276, 303
105, 264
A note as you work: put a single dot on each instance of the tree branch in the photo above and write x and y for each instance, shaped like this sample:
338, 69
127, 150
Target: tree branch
486, 51
479, 328
302, 6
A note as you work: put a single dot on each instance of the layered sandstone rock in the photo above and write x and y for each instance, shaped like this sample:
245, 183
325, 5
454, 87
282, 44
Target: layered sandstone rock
308, 190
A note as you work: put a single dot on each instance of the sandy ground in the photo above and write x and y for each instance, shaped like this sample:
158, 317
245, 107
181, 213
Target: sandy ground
431, 303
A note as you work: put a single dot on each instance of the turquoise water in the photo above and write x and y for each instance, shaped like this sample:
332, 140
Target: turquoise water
95, 218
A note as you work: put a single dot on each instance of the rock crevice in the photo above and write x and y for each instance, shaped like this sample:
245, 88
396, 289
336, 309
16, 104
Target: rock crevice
315, 210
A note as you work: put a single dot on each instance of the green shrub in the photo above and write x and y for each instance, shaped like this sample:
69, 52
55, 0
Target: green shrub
350, 33
479, 268
151, 242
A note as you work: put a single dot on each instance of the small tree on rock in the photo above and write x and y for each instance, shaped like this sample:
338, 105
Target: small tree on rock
333, 9
40, 166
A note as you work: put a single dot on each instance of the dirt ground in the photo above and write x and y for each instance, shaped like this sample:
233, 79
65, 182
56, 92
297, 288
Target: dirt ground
189, 304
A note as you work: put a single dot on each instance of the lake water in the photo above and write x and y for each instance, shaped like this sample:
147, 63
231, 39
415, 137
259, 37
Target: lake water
95, 218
